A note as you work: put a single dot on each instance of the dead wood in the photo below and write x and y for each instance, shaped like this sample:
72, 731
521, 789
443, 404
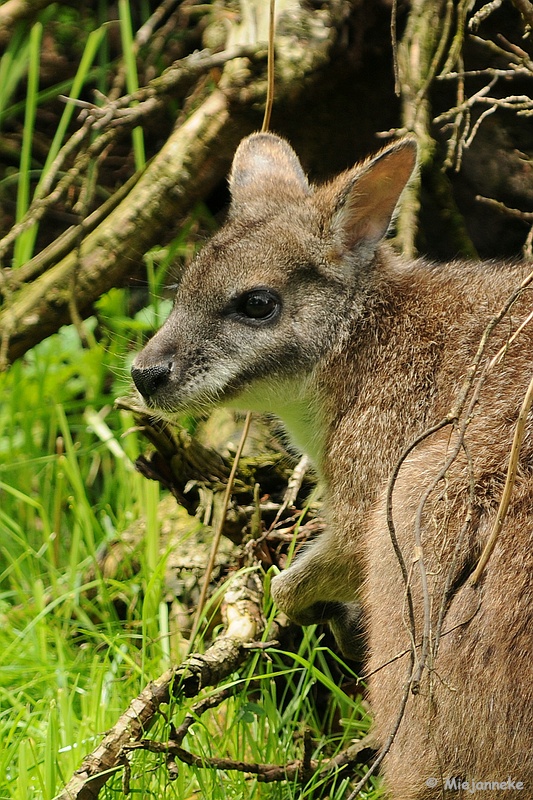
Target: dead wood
265, 773
242, 609
197, 476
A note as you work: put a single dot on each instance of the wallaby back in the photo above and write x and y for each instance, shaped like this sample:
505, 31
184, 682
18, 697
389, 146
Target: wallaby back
296, 307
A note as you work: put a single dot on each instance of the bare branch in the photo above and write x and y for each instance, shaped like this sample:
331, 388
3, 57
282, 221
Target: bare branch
243, 610
482, 14
219, 529
520, 432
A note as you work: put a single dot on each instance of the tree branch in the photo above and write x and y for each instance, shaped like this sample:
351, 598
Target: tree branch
244, 625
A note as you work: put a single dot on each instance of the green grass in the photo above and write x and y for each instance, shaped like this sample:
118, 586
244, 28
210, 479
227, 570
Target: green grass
126, 34
69, 665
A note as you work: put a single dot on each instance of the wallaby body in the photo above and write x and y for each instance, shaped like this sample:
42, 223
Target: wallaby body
297, 308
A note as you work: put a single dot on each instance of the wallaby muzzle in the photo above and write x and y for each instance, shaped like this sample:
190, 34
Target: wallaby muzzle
149, 380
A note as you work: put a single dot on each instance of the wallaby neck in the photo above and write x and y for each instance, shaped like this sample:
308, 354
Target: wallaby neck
296, 402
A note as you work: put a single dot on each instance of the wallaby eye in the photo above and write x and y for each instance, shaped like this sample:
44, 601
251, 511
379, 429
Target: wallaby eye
259, 305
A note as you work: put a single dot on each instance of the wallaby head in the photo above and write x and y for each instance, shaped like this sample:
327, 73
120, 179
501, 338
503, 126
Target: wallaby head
274, 289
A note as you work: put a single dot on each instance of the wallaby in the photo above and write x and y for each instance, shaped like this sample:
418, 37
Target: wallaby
298, 308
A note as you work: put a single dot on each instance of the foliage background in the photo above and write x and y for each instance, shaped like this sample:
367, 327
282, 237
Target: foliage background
103, 200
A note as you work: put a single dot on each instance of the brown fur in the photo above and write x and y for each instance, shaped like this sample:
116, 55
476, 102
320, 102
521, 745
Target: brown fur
362, 355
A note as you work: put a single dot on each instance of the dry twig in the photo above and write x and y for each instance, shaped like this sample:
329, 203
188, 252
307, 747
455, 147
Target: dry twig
226, 654
219, 529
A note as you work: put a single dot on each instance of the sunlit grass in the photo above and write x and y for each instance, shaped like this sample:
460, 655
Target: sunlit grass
70, 664
126, 33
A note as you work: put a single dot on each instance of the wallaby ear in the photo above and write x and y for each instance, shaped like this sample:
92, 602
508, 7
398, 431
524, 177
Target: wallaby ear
367, 201
266, 164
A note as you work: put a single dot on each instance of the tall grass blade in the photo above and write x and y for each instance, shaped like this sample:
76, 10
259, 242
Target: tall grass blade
132, 83
24, 243
94, 40
13, 66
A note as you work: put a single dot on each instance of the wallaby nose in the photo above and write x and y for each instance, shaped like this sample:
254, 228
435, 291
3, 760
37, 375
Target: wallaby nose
149, 379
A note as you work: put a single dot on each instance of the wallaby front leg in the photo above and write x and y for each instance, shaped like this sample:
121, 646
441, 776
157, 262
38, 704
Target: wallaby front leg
321, 586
